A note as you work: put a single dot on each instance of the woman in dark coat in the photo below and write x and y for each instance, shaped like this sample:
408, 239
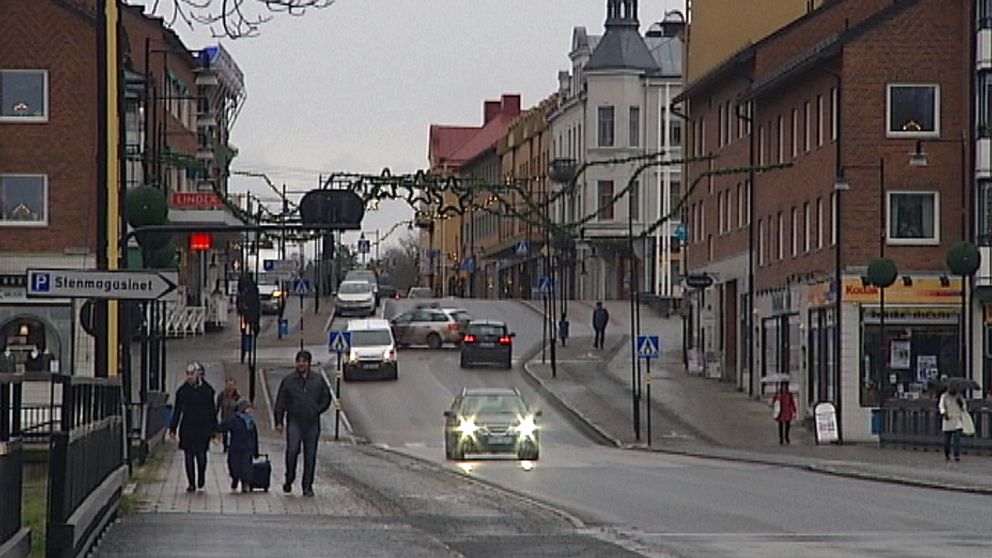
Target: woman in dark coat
243, 445
195, 417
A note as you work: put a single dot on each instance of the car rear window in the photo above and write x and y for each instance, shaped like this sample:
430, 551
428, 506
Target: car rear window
371, 338
461, 316
355, 287
472, 404
487, 330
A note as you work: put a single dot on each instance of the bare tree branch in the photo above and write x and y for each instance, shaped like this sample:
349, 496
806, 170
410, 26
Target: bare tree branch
234, 19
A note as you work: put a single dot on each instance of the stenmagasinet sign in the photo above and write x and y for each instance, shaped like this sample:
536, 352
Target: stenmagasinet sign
101, 284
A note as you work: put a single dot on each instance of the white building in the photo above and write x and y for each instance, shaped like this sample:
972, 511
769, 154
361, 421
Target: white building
613, 105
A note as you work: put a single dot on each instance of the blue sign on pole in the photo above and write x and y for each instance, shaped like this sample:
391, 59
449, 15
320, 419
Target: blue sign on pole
339, 341
522, 248
648, 346
681, 233
302, 287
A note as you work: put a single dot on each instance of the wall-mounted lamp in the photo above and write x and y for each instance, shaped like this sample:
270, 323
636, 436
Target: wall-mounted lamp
24, 330
918, 158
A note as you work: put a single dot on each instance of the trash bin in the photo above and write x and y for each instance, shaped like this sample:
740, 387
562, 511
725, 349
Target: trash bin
877, 420
283, 327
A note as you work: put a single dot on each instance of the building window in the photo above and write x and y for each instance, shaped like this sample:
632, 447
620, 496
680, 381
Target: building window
781, 139
740, 205
914, 110
23, 96
913, 218
834, 200
781, 236
606, 126
675, 201
721, 115
807, 129
761, 242
702, 136
795, 232
635, 126
985, 213
761, 145
819, 223
23, 200
675, 133
747, 190
819, 121
834, 113
985, 103
795, 133
634, 200
985, 14
807, 228
605, 196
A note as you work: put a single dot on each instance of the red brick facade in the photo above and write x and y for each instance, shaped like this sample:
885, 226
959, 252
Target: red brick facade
51, 36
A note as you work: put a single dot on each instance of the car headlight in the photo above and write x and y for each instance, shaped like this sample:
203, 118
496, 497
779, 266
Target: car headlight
388, 355
276, 294
527, 427
353, 356
467, 426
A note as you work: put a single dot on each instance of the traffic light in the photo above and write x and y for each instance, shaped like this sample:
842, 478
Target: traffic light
249, 305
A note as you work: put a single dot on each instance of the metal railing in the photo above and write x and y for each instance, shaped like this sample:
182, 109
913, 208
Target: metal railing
183, 321
86, 467
13, 535
39, 421
917, 424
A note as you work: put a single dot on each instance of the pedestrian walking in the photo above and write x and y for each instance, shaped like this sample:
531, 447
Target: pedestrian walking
563, 329
194, 417
227, 400
600, 317
240, 425
952, 410
784, 412
302, 397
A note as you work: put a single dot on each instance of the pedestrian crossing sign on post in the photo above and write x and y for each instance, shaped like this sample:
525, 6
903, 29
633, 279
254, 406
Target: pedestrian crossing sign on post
648, 346
339, 341
301, 287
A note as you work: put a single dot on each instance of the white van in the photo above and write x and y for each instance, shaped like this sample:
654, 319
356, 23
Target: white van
373, 351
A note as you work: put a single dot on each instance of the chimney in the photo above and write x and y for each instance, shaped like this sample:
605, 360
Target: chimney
490, 110
673, 24
511, 105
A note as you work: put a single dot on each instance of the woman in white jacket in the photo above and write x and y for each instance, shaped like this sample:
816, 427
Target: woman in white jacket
952, 409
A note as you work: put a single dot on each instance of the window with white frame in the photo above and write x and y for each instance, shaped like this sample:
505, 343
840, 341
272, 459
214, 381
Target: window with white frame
635, 126
913, 110
984, 213
23, 96
721, 115
675, 133
702, 136
913, 218
795, 133
795, 232
819, 223
985, 103
719, 209
807, 228
834, 222
781, 139
23, 200
761, 145
834, 113
761, 242
807, 129
605, 195
606, 126
634, 200
741, 207
781, 236
747, 190
819, 120
984, 13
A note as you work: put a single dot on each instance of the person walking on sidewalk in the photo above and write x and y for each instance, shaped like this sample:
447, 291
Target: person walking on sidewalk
302, 397
240, 425
952, 409
784, 405
194, 416
600, 317
227, 400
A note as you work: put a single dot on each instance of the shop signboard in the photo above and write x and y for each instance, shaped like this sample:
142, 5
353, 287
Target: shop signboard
825, 419
195, 200
924, 290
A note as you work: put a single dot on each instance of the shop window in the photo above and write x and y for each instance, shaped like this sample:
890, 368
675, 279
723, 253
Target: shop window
985, 103
28, 345
913, 218
919, 345
23, 96
914, 110
23, 200
985, 14
606, 126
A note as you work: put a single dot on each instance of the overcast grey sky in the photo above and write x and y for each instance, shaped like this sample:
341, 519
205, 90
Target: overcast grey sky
355, 86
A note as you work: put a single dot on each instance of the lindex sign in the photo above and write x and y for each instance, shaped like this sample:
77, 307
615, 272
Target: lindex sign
698, 281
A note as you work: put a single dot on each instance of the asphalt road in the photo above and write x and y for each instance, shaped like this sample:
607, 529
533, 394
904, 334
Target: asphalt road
659, 504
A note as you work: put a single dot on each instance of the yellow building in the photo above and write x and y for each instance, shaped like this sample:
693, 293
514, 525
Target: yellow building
719, 28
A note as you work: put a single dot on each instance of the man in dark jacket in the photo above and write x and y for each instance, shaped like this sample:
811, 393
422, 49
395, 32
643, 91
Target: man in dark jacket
195, 417
600, 317
303, 396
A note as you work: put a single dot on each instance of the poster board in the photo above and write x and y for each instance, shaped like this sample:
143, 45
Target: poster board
825, 422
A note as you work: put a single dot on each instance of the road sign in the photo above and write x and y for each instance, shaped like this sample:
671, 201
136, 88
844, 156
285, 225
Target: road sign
339, 341
701, 281
302, 287
101, 284
648, 346
681, 233
281, 267
522, 248
545, 283
363, 246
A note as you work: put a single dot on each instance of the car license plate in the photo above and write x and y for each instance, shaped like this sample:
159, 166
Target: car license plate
487, 345
501, 440
370, 365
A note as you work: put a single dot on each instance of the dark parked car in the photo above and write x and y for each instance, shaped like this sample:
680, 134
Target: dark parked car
419, 292
487, 342
491, 420
388, 291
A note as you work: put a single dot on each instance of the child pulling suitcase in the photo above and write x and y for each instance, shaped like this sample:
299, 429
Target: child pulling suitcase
243, 449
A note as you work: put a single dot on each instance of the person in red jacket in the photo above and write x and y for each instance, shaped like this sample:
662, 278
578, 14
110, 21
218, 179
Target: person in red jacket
785, 411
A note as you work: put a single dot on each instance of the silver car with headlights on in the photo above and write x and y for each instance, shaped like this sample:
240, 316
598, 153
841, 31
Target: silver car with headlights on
373, 352
491, 420
354, 298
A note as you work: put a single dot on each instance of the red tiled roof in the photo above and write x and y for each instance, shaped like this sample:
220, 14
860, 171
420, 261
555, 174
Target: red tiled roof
486, 138
446, 140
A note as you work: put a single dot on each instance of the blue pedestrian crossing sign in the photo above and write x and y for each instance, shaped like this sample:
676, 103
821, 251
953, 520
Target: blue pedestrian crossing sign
339, 341
302, 287
648, 346
522, 248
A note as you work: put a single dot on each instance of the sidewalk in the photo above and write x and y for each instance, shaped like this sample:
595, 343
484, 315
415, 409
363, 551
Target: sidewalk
698, 416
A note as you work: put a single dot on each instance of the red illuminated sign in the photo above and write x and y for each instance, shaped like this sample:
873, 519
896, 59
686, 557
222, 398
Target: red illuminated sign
200, 242
195, 200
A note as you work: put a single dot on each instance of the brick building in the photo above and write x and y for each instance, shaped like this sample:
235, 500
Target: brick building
844, 91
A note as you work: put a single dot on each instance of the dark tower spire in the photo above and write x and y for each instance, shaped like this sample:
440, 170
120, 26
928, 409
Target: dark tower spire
621, 12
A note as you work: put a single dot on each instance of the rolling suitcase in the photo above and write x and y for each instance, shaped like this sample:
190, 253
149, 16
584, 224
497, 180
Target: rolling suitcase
261, 472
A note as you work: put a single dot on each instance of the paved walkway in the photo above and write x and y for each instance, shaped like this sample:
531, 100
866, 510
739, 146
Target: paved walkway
700, 416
